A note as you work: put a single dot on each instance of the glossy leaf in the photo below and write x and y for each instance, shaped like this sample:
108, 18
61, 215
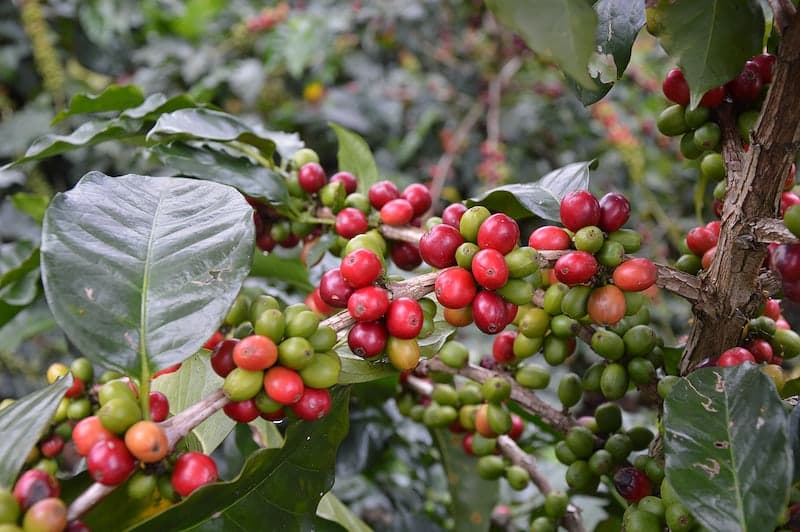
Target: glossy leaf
19, 272
541, 198
194, 381
157, 104
206, 162
354, 156
356, 369
473, 497
332, 509
291, 271
431, 344
558, 30
709, 40
33, 205
281, 487
21, 424
721, 425
138, 266
206, 124
114, 98
794, 441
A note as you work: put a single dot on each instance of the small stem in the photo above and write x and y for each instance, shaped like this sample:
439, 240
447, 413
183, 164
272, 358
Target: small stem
250, 152
403, 233
768, 230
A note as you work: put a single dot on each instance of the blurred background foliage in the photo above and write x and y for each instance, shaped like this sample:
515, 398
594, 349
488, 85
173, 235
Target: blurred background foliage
442, 94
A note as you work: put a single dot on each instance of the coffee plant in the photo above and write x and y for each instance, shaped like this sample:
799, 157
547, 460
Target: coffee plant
236, 314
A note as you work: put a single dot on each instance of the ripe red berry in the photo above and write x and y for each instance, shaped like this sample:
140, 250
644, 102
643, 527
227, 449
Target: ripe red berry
210, 344
632, 484
503, 346
255, 353
772, 309
735, 356
222, 358
76, 389
499, 232
334, 290
419, 197
348, 181
242, 411
191, 471
87, 432
367, 339
635, 275
787, 200
382, 192
746, 87
715, 227
766, 66
438, 245
455, 288
265, 242
404, 318
761, 350
283, 385
159, 406
452, 214
675, 87
576, 267
314, 404
489, 312
51, 446
549, 237
713, 97
368, 304
176, 367
579, 209
786, 259
517, 427
109, 462
397, 212
490, 269
314, 302
614, 211
405, 255
311, 177
361, 267
700, 239
33, 486
466, 443
350, 222
708, 256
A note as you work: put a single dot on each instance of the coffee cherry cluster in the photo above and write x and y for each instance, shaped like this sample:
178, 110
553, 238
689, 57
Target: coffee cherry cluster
648, 511
35, 504
284, 359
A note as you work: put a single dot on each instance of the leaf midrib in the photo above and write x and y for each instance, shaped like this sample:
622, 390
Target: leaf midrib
148, 263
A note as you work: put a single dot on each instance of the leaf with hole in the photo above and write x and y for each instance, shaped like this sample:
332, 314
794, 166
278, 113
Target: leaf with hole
139, 271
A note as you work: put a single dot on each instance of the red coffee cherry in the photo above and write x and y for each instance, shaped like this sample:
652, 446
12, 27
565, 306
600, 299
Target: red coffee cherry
314, 404
47, 515
33, 486
713, 97
76, 389
283, 385
490, 269
193, 470
675, 87
397, 212
419, 197
311, 177
632, 484
210, 344
576, 267
579, 209
761, 350
499, 232
222, 358
159, 406
735, 356
635, 275
404, 318
489, 312
549, 237
368, 304
348, 181
439, 244
87, 432
452, 214
466, 443
255, 353
715, 227
787, 200
517, 427
367, 339
109, 462
382, 192
708, 256
772, 309
766, 66
786, 259
614, 211
265, 242
405, 255
700, 239
242, 411
147, 441
361, 267
176, 367
51, 446
351, 222
334, 290
455, 288
503, 347
746, 87
606, 305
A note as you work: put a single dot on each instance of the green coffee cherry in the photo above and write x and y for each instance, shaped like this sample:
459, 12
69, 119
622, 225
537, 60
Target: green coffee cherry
117, 389
243, 330
465, 253
608, 417
428, 306
304, 156
261, 303
454, 354
712, 166
688, 147
639, 340
678, 518
570, 390
517, 477
466, 416
668, 495
641, 371
653, 505
444, 394
786, 342
241, 385
522, 262
470, 394
654, 471
266, 405
238, 311
620, 446
589, 239
81, 408
303, 324
707, 136
608, 345
496, 389
611, 254
564, 454
533, 376
579, 476
552, 298
270, 323
9, 507
671, 121
358, 201
516, 291
696, 117
543, 524
333, 195
119, 414
439, 415
562, 326
490, 467
630, 239
471, 221
688, 263
141, 486
165, 489
556, 350
640, 437
82, 369
601, 462
499, 418
575, 301
295, 353
641, 521
525, 347
580, 441
323, 371
483, 446
323, 339
535, 322
555, 504
591, 377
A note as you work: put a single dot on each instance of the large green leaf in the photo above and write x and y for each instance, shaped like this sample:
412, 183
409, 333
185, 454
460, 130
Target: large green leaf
33, 205
277, 488
206, 124
157, 104
355, 369
194, 381
19, 272
141, 270
206, 162
354, 156
332, 509
288, 270
558, 30
727, 449
22, 423
618, 24
114, 98
709, 40
541, 198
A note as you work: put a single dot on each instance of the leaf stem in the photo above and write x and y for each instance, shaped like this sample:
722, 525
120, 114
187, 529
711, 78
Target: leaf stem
250, 152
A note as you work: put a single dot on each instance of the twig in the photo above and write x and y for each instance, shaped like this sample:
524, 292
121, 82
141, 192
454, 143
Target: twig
405, 233
495, 92
766, 231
